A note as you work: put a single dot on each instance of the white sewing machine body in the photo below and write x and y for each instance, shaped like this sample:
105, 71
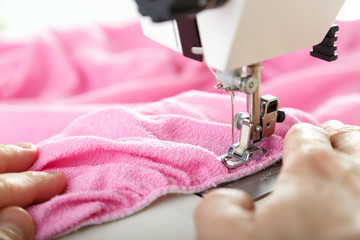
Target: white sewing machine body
233, 37
244, 32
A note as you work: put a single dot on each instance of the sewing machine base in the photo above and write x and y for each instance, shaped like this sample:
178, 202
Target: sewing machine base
171, 217
257, 185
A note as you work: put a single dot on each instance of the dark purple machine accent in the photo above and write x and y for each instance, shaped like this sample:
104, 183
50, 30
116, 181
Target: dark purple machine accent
189, 36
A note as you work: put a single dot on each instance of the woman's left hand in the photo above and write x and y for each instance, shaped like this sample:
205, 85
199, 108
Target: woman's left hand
19, 189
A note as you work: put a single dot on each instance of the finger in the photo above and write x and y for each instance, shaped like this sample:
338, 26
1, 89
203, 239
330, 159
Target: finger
23, 189
17, 158
305, 139
307, 148
332, 126
345, 138
16, 224
224, 214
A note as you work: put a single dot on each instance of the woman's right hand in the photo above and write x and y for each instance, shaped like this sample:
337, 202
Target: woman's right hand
317, 195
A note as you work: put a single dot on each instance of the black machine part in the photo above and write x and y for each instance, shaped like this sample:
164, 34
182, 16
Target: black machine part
326, 49
163, 10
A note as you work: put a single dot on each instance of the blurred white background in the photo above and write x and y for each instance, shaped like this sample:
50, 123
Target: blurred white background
24, 17
20, 18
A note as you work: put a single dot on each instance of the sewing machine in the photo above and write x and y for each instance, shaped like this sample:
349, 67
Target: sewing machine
233, 37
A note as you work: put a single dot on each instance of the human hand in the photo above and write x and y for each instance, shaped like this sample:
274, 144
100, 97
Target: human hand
317, 195
19, 189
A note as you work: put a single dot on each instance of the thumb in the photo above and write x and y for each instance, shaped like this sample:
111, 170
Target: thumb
345, 138
225, 214
16, 224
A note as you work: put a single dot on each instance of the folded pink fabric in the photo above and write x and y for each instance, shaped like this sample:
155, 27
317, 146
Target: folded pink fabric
95, 64
59, 75
119, 158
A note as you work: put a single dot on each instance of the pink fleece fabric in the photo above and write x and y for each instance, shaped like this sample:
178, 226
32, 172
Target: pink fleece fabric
114, 112
118, 160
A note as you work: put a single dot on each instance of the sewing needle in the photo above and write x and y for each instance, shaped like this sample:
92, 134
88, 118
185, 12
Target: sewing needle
232, 94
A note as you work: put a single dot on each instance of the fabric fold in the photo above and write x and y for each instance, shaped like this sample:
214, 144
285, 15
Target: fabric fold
118, 160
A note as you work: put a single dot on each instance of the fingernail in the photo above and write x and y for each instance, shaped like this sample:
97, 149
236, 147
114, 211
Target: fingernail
16, 223
26, 145
55, 172
58, 174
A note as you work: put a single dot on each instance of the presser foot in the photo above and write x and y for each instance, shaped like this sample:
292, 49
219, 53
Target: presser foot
232, 159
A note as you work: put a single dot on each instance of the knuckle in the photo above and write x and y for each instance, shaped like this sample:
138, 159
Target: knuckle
5, 152
307, 138
301, 127
3, 147
294, 130
17, 189
332, 123
5, 190
303, 132
347, 140
348, 131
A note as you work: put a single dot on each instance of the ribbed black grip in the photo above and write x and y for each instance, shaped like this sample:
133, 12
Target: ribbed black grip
280, 116
326, 49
